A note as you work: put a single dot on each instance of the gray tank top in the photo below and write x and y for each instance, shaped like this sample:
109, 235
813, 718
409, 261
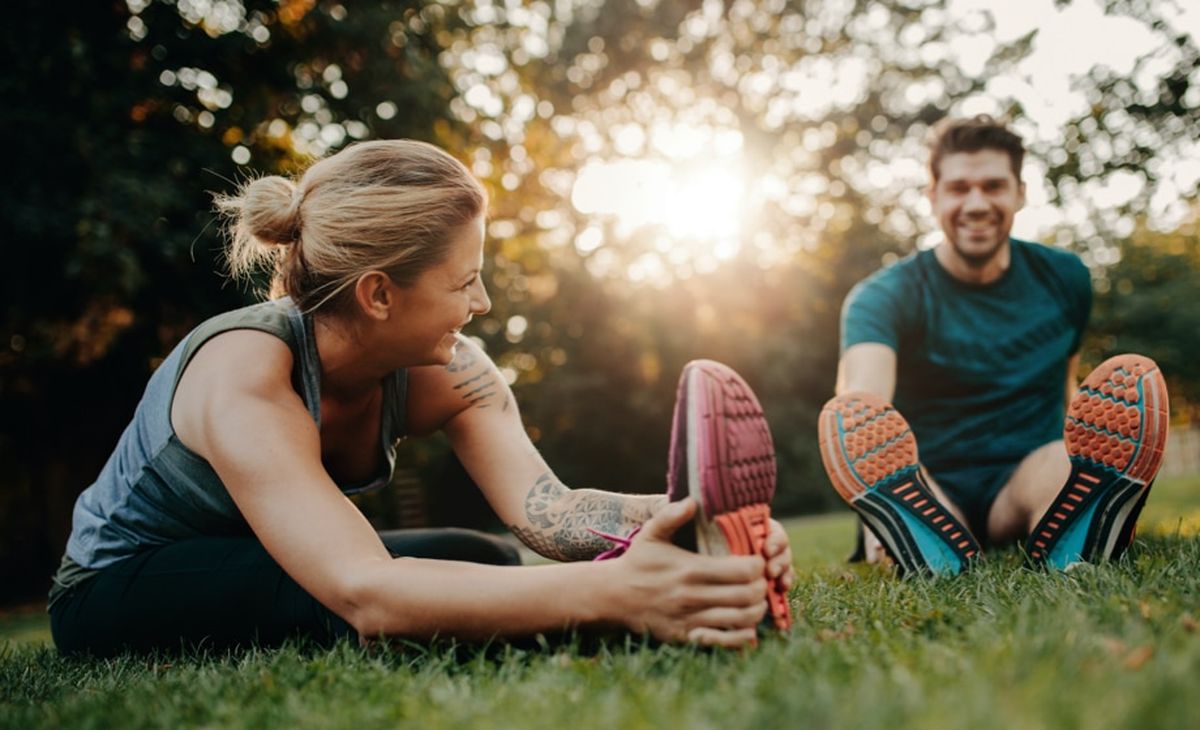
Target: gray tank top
154, 490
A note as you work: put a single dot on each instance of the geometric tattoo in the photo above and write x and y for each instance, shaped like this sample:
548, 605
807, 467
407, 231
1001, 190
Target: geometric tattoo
559, 519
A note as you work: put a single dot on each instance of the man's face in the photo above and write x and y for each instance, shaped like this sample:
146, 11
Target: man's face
974, 200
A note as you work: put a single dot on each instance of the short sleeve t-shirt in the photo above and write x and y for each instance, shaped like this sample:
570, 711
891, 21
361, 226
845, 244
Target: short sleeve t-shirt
981, 369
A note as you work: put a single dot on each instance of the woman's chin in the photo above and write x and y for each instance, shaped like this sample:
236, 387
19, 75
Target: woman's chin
441, 354
446, 350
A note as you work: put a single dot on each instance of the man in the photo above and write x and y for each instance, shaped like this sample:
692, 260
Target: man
974, 342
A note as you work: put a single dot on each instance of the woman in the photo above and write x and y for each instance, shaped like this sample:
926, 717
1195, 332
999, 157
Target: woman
221, 517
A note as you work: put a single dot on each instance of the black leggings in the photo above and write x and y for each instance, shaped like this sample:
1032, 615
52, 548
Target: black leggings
223, 592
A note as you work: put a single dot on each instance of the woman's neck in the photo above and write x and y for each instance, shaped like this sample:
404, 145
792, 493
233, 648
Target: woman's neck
348, 372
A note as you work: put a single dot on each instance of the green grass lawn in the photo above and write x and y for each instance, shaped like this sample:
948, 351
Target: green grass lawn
1109, 646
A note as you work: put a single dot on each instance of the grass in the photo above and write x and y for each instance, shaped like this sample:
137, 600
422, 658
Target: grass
1108, 646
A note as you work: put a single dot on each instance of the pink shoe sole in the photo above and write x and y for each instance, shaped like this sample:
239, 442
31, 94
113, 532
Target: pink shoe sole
722, 455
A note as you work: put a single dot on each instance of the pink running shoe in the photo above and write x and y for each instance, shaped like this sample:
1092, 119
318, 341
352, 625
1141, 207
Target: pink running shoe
722, 455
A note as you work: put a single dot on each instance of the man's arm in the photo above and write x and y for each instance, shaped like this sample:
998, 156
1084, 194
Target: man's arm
868, 367
871, 327
1072, 378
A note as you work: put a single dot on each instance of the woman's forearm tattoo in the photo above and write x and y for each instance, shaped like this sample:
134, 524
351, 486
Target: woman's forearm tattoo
561, 520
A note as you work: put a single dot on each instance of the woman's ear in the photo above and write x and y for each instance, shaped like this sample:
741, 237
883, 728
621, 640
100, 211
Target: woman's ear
375, 293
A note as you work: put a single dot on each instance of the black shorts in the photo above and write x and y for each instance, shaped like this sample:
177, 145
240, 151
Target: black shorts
974, 489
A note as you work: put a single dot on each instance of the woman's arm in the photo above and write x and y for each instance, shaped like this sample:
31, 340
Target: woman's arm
236, 408
569, 524
472, 403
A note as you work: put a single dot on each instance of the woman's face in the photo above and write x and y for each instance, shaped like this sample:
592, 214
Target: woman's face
443, 299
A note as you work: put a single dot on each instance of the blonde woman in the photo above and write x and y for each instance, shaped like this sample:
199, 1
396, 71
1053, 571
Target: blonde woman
222, 519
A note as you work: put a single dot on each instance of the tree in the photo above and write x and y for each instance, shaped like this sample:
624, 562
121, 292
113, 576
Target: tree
1145, 304
825, 104
128, 114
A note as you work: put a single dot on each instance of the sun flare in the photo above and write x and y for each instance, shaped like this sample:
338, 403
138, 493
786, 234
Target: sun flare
692, 203
693, 196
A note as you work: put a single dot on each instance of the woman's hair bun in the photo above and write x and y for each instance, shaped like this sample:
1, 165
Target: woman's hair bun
385, 205
270, 210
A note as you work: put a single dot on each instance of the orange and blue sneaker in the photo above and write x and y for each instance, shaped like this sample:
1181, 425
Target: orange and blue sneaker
870, 454
1115, 431
722, 456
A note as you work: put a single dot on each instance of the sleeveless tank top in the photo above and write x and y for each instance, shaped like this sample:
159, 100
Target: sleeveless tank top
154, 490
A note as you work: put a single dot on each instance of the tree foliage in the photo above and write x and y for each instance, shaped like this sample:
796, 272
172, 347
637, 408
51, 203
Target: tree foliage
829, 103
122, 119
1146, 304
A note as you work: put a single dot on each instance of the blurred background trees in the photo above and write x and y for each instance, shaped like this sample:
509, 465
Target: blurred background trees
669, 180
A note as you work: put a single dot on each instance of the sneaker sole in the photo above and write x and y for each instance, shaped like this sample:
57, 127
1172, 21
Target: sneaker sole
1115, 431
722, 455
870, 454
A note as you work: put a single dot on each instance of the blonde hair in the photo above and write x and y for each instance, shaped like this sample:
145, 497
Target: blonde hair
388, 206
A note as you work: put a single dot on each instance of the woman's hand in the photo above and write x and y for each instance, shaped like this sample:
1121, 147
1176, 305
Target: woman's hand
778, 553
680, 596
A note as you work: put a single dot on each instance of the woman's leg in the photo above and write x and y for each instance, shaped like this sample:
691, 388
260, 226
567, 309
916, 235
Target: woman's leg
223, 592
215, 592
450, 543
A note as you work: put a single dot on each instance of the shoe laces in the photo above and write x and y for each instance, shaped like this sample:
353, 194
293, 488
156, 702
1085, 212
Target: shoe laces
620, 544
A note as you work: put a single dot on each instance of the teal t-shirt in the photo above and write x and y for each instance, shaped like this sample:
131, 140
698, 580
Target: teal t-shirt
981, 369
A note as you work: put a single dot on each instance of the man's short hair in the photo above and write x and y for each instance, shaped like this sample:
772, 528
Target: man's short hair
972, 134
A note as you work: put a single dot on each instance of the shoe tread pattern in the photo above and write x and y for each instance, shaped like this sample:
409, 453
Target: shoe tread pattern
870, 455
737, 464
742, 469
1115, 432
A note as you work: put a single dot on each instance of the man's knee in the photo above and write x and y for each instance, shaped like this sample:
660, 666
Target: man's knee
1029, 490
